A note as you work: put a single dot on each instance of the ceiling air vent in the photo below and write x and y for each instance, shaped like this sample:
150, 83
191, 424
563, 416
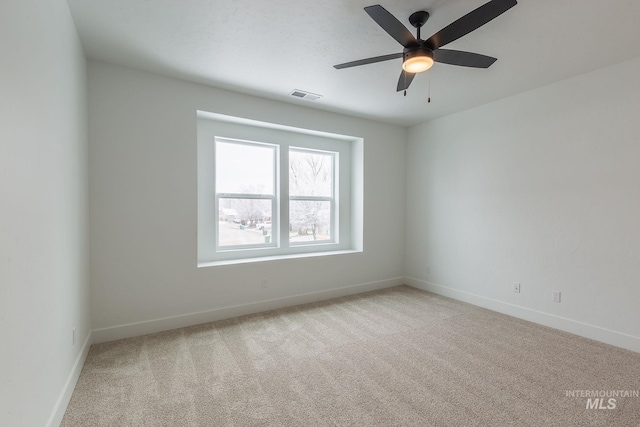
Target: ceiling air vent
305, 95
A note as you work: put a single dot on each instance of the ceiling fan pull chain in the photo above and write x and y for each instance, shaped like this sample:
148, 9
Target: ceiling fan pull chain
429, 97
405, 82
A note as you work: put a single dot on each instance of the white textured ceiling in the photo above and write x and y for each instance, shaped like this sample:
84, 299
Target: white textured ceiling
269, 48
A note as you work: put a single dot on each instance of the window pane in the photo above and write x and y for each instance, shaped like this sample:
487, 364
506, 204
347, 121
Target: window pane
310, 174
309, 220
244, 168
244, 222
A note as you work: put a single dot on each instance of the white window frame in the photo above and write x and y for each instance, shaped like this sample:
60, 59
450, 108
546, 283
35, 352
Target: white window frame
273, 197
347, 198
333, 198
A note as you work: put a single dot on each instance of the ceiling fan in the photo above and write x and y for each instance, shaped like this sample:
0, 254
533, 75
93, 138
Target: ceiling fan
419, 55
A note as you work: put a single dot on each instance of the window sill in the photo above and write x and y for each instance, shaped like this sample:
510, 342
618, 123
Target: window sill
275, 258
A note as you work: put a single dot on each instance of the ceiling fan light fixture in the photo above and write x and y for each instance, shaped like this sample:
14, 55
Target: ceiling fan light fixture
417, 60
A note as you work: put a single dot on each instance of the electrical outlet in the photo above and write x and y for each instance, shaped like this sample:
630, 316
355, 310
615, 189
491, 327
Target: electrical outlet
516, 288
265, 283
555, 296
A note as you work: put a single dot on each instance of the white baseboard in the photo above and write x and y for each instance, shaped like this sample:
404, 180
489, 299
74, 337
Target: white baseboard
597, 333
168, 323
65, 396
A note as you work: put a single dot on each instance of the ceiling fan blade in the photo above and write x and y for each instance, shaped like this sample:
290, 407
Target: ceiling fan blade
368, 60
391, 25
471, 21
405, 80
465, 59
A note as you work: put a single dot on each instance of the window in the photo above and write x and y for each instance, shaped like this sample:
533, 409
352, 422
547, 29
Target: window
245, 182
271, 191
312, 204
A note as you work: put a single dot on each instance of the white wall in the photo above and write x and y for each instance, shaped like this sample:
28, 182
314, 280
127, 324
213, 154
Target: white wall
143, 207
542, 189
43, 212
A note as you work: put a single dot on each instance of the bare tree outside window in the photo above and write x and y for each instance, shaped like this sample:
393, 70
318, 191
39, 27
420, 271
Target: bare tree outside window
249, 211
311, 190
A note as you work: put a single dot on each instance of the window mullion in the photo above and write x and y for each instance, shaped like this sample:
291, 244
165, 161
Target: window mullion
284, 196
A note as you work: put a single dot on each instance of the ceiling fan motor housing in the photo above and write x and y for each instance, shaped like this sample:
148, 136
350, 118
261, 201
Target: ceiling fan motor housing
414, 51
416, 59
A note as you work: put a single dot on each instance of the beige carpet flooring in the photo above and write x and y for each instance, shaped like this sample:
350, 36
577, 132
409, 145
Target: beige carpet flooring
395, 357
